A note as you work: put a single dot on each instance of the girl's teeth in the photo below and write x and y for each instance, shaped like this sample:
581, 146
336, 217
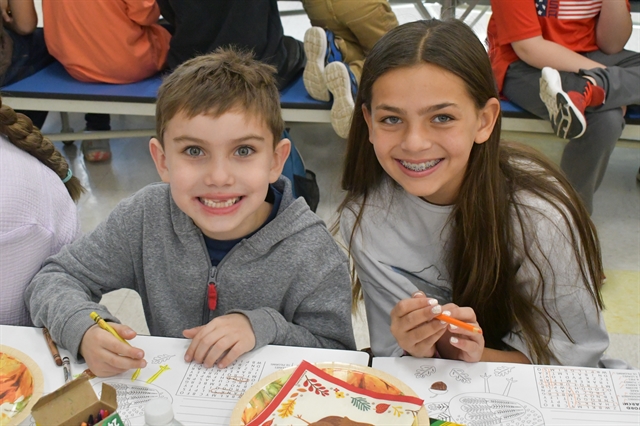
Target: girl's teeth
219, 204
419, 167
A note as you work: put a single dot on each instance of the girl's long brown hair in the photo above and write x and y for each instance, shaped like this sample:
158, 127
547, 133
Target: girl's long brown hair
21, 132
487, 220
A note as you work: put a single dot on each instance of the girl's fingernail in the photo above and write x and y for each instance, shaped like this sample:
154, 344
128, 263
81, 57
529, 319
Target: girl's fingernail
418, 294
447, 313
433, 302
436, 309
187, 358
454, 339
453, 327
443, 323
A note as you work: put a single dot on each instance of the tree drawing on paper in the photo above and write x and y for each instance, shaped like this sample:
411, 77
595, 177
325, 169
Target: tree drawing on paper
460, 375
503, 370
425, 371
161, 359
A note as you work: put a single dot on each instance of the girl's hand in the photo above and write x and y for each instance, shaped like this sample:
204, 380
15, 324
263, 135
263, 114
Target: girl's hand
221, 341
107, 356
458, 343
413, 326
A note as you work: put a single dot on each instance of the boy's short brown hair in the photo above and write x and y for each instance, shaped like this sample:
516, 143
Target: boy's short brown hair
216, 83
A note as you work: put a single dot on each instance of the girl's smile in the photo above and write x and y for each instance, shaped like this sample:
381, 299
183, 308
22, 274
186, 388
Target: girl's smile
423, 125
421, 168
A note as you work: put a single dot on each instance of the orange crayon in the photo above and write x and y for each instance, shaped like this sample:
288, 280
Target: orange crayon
459, 323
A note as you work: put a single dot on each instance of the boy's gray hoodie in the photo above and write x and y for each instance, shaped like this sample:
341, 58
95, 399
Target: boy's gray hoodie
290, 278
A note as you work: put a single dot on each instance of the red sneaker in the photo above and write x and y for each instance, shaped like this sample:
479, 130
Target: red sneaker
566, 109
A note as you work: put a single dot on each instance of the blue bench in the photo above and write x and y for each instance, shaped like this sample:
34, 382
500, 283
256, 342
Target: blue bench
517, 119
53, 89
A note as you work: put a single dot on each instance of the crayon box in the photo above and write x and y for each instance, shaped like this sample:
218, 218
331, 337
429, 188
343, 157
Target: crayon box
72, 404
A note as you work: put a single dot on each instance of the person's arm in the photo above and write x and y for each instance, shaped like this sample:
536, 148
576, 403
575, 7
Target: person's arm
494, 355
143, 12
22, 17
564, 297
321, 319
70, 284
540, 53
614, 26
517, 24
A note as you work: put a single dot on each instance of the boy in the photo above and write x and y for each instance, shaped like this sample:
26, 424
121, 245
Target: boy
220, 253
561, 60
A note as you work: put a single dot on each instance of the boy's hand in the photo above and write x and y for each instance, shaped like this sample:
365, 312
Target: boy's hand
107, 356
223, 340
458, 343
413, 326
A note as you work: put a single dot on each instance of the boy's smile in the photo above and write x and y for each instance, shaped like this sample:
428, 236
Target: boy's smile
219, 170
423, 125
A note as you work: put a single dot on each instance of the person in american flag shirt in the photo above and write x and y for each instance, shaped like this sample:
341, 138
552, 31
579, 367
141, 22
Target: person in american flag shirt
565, 60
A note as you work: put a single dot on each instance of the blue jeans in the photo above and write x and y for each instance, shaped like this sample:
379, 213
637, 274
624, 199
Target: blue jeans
29, 56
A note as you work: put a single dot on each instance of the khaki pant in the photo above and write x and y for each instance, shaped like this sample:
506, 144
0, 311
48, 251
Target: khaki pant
357, 24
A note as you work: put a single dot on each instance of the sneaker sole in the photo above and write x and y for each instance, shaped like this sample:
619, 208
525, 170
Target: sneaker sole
566, 119
339, 85
96, 151
315, 47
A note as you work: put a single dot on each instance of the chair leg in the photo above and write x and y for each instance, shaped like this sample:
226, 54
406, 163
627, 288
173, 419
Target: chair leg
66, 128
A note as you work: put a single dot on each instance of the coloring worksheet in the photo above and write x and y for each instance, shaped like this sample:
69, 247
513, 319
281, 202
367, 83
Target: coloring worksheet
200, 395
503, 394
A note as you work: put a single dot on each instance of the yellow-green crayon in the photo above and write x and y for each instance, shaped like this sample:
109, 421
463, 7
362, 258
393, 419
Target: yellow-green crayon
103, 325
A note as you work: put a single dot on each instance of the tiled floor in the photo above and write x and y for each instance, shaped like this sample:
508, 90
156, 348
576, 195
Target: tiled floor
616, 211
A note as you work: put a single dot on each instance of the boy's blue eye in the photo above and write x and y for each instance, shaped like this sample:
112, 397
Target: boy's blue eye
193, 151
244, 151
391, 120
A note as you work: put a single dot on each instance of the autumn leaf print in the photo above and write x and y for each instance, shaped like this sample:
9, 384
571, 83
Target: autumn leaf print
286, 408
360, 403
381, 408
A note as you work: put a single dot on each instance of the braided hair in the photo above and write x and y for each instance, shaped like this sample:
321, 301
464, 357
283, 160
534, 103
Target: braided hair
21, 132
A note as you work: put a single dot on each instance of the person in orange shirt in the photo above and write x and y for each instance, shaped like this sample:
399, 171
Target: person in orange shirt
118, 41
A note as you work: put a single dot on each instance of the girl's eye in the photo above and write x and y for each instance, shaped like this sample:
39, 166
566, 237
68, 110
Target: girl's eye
442, 118
244, 151
391, 120
193, 151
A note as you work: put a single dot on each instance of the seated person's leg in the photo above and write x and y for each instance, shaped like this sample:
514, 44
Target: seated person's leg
29, 56
98, 149
585, 159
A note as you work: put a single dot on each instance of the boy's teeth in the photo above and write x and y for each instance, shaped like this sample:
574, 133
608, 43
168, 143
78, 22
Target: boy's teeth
219, 204
419, 167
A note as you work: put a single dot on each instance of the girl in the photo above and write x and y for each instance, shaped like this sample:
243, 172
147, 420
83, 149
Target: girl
440, 217
37, 211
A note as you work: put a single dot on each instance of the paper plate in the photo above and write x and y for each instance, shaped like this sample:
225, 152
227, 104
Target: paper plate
21, 385
256, 399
